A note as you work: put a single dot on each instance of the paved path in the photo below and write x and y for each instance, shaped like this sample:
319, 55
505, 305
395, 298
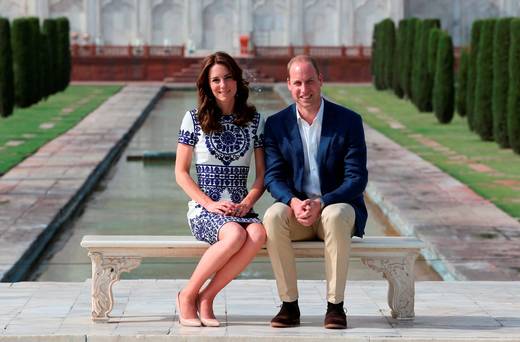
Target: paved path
145, 310
41, 192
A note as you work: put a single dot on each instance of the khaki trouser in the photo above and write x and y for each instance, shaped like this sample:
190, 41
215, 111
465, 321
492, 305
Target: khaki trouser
334, 227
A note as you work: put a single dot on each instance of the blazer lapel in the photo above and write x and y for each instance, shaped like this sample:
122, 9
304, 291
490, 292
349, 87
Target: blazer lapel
297, 147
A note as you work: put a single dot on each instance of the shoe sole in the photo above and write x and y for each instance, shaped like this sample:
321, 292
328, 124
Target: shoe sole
335, 326
282, 325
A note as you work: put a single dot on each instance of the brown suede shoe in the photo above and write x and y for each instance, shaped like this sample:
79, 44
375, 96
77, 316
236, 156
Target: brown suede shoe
289, 316
335, 318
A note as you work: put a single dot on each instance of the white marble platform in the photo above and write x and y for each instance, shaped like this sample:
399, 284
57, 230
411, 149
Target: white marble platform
145, 311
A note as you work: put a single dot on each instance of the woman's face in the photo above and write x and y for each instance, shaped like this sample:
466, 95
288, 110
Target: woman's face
223, 86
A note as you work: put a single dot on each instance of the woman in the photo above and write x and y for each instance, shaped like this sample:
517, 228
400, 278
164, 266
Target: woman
223, 133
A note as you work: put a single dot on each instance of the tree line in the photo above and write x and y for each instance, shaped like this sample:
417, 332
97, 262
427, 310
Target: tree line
35, 61
417, 62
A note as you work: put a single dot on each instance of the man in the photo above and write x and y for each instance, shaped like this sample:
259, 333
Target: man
315, 157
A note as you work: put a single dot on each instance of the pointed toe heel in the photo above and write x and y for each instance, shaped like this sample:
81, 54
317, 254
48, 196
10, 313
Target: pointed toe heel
187, 322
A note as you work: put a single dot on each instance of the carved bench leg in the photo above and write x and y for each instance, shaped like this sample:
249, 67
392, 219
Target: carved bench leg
105, 272
401, 288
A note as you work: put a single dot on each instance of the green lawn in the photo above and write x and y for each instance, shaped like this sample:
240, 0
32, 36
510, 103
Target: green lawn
492, 172
28, 129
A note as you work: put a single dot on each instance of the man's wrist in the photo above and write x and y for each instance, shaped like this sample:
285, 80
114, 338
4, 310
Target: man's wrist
322, 204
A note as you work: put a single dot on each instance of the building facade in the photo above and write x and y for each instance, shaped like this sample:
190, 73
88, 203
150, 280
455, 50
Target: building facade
209, 25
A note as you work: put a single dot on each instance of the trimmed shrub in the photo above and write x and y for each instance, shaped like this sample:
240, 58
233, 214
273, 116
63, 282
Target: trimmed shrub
472, 72
6, 70
443, 89
22, 61
513, 103
34, 23
409, 57
483, 114
501, 80
416, 60
462, 83
51, 32
377, 56
388, 51
398, 53
44, 68
64, 63
433, 43
422, 80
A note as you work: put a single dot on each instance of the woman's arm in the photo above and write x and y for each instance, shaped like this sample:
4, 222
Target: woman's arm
258, 186
183, 178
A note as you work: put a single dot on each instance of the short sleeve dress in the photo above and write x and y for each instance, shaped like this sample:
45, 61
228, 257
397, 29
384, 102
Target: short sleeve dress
222, 162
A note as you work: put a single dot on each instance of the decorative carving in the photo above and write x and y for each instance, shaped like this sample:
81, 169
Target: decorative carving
401, 291
320, 20
105, 272
167, 23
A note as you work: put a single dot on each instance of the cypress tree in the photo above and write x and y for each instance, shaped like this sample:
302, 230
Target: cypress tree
403, 52
22, 62
472, 72
64, 52
483, 118
433, 43
423, 78
6, 70
462, 83
416, 61
44, 68
513, 103
388, 51
501, 80
398, 53
443, 89
34, 23
409, 56
51, 32
377, 55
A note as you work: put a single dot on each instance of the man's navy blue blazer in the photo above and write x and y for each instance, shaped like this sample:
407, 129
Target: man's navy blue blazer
342, 159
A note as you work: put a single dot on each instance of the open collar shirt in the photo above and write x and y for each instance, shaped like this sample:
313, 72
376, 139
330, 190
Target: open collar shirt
310, 135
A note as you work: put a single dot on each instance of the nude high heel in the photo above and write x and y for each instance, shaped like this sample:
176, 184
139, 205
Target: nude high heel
187, 322
207, 322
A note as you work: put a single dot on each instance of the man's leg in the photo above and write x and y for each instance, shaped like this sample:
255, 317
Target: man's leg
335, 228
282, 228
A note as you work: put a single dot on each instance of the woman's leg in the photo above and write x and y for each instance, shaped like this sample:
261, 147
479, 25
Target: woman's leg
232, 237
237, 263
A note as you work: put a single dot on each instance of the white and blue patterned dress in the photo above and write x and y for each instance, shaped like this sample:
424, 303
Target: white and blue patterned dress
222, 162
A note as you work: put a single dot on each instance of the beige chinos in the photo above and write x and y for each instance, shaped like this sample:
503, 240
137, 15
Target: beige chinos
334, 227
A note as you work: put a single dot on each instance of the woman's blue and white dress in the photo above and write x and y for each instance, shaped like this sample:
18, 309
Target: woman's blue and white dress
222, 162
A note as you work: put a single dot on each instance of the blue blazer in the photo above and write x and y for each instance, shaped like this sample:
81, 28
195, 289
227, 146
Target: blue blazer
342, 159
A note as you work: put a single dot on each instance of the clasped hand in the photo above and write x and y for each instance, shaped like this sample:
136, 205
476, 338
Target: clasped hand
229, 208
306, 211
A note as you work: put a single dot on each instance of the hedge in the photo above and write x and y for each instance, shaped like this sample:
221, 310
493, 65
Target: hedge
443, 91
51, 32
398, 54
501, 80
64, 60
408, 57
6, 70
22, 61
472, 72
513, 103
388, 51
422, 80
462, 83
34, 23
483, 112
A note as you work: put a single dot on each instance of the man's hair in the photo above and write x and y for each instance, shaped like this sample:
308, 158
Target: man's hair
302, 58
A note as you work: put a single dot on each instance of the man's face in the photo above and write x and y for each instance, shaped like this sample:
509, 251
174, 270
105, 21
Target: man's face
304, 83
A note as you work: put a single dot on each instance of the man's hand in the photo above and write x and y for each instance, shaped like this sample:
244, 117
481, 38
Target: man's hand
307, 211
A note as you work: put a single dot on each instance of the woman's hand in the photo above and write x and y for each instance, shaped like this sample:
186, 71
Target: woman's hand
222, 207
242, 208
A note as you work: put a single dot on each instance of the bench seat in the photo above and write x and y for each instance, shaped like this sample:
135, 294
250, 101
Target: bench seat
113, 254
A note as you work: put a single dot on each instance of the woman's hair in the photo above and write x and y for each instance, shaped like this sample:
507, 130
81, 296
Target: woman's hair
208, 112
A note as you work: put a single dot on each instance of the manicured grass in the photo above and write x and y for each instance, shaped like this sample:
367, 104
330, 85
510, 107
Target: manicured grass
492, 172
28, 129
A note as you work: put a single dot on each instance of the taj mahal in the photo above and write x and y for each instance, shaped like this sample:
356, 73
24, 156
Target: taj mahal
204, 25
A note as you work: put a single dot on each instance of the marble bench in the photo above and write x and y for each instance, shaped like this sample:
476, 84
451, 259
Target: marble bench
113, 254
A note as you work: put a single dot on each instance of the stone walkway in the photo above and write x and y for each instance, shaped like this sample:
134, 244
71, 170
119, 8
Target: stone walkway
145, 310
39, 194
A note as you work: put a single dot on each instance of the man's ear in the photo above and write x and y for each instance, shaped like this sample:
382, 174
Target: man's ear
320, 78
288, 83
